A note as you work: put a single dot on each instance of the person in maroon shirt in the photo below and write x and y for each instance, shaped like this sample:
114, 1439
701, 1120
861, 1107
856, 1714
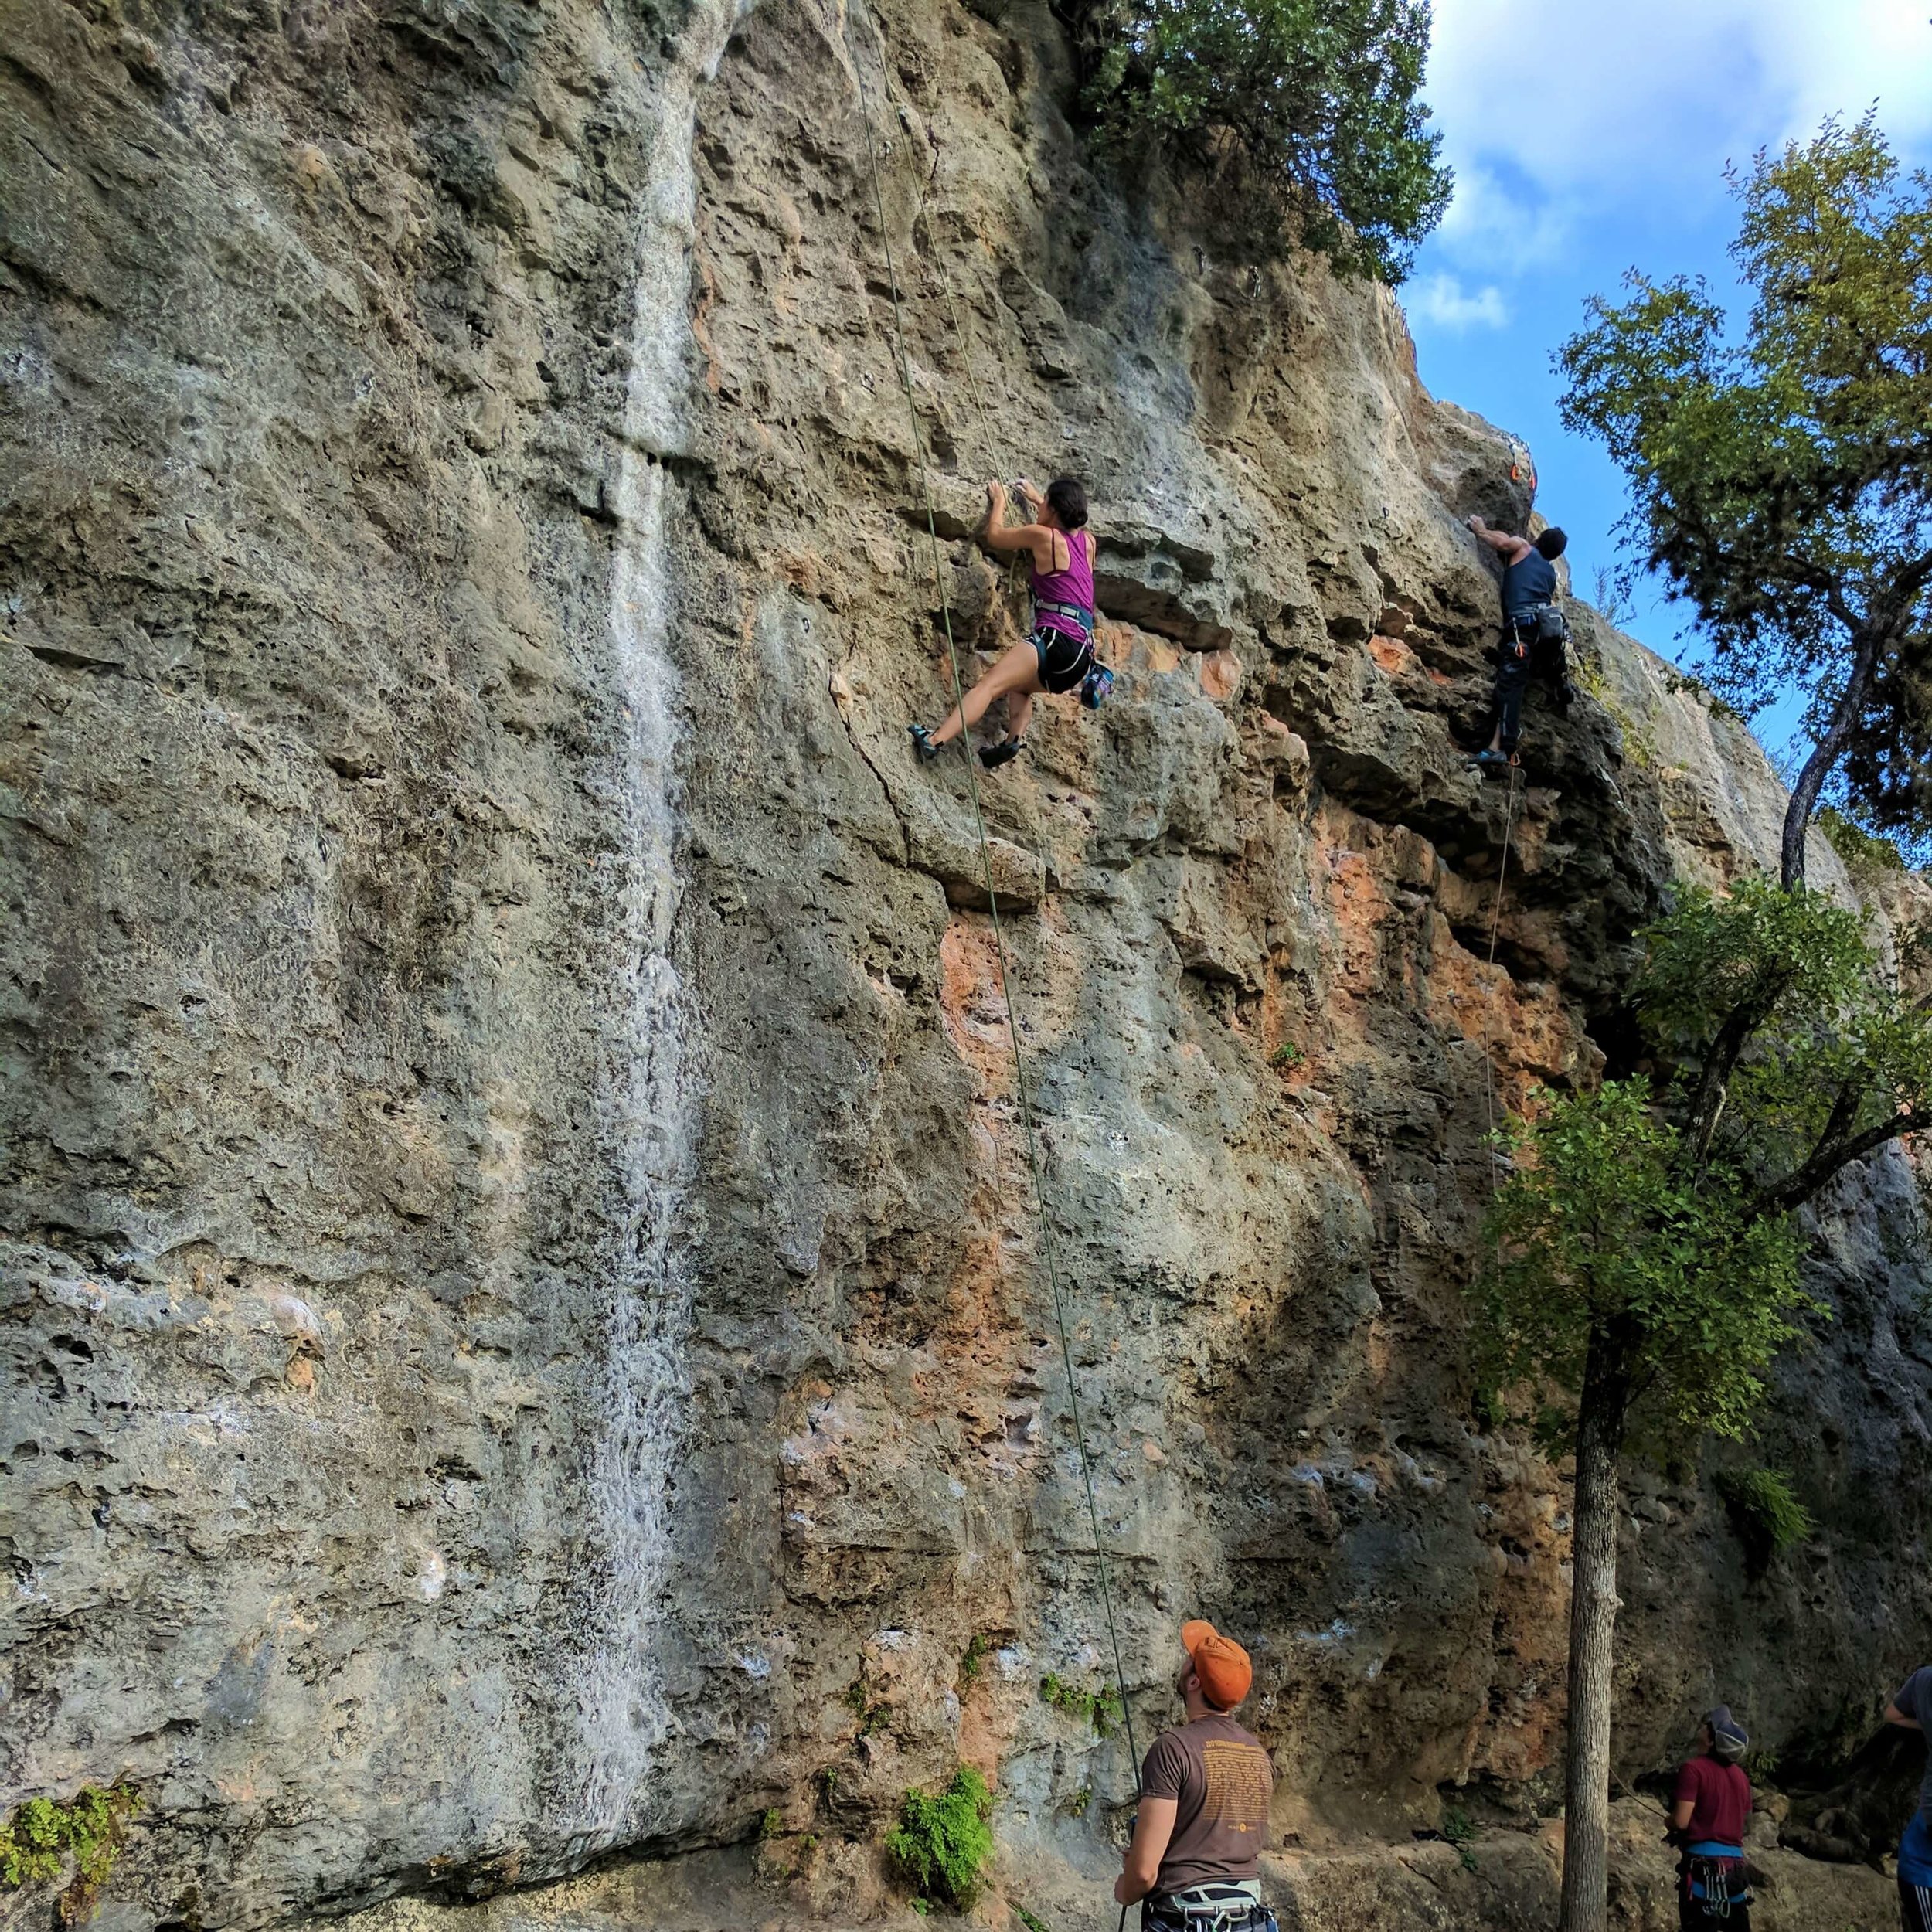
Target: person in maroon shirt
1707, 1818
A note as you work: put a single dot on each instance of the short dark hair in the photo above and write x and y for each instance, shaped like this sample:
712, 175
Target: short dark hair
1066, 497
1552, 544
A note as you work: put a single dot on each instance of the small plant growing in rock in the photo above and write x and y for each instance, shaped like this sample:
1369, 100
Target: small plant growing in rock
1102, 1708
974, 1658
1287, 1057
1768, 1518
1460, 1832
770, 1824
36, 1841
1032, 1922
942, 1842
872, 1718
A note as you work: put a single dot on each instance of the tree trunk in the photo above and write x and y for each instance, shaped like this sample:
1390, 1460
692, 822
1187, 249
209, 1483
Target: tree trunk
1592, 1621
1825, 754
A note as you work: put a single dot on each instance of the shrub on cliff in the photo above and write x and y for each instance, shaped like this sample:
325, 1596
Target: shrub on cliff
42, 1837
1781, 473
1767, 1516
942, 1842
1647, 1258
1318, 98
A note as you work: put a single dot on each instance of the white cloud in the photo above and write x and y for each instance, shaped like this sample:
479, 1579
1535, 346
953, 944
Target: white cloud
1442, 300
1546, 111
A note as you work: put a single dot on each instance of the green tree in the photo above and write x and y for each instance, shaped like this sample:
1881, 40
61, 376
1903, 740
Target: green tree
1782, 474
1648, 1263
1318, 97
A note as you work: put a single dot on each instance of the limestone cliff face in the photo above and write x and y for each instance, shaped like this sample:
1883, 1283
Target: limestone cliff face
526, 1309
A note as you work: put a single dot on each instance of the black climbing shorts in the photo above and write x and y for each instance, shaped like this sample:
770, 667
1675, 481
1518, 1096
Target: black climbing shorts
1064, 661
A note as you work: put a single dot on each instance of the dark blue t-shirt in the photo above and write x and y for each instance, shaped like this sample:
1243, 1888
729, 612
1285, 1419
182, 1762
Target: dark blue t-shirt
1914, 1700
1529, 581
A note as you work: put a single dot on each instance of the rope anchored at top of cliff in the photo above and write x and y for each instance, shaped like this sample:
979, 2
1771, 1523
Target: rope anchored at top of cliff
1023, 1092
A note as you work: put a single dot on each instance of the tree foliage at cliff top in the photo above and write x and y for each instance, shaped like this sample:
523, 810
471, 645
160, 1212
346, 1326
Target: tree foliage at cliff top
1782, 473
1317, 98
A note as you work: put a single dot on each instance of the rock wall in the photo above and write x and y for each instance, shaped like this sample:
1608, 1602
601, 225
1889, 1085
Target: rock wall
530, 1325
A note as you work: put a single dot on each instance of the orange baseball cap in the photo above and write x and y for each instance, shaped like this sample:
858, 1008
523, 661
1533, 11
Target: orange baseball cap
1221, 1664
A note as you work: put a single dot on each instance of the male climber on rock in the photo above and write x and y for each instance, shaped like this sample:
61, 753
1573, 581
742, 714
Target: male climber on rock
1195, 1860
1058, 656
1534, 633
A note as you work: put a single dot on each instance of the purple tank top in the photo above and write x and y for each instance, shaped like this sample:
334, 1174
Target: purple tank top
1074, 585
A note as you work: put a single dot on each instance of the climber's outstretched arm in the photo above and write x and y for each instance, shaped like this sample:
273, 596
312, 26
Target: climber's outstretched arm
1034, 539
1508, 547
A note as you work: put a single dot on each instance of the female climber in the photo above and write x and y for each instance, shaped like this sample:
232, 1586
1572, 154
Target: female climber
1058, 656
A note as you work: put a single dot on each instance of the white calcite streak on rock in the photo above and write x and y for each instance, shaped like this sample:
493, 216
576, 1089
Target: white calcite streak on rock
632, 1477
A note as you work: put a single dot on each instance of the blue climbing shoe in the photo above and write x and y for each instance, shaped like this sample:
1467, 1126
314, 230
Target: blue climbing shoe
1488, 760
922, 742
993, 757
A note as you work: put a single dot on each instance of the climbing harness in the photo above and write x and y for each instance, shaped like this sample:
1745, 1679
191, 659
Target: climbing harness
992, 899
1073, 613
1714, 1877
1212, 1907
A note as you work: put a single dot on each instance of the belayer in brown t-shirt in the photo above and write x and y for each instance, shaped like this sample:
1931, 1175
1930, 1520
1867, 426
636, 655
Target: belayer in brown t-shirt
1205, 1789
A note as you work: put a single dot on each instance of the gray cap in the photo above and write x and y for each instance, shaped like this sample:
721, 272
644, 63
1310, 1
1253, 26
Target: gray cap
1727, 1733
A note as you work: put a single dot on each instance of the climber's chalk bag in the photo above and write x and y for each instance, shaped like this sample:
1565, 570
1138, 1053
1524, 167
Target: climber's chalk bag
1096, 687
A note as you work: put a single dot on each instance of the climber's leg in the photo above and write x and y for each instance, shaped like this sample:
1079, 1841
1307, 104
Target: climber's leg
1513, 676
1017, 670
1019, 712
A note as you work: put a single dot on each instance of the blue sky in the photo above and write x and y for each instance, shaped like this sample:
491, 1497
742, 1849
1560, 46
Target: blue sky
1589, 137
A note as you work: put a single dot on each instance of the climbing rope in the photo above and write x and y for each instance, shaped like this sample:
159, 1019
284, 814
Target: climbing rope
992, 899
1495, 927
988, 442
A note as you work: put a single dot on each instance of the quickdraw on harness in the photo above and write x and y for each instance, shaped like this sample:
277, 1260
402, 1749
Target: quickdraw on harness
1541, 624
1714, 1877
